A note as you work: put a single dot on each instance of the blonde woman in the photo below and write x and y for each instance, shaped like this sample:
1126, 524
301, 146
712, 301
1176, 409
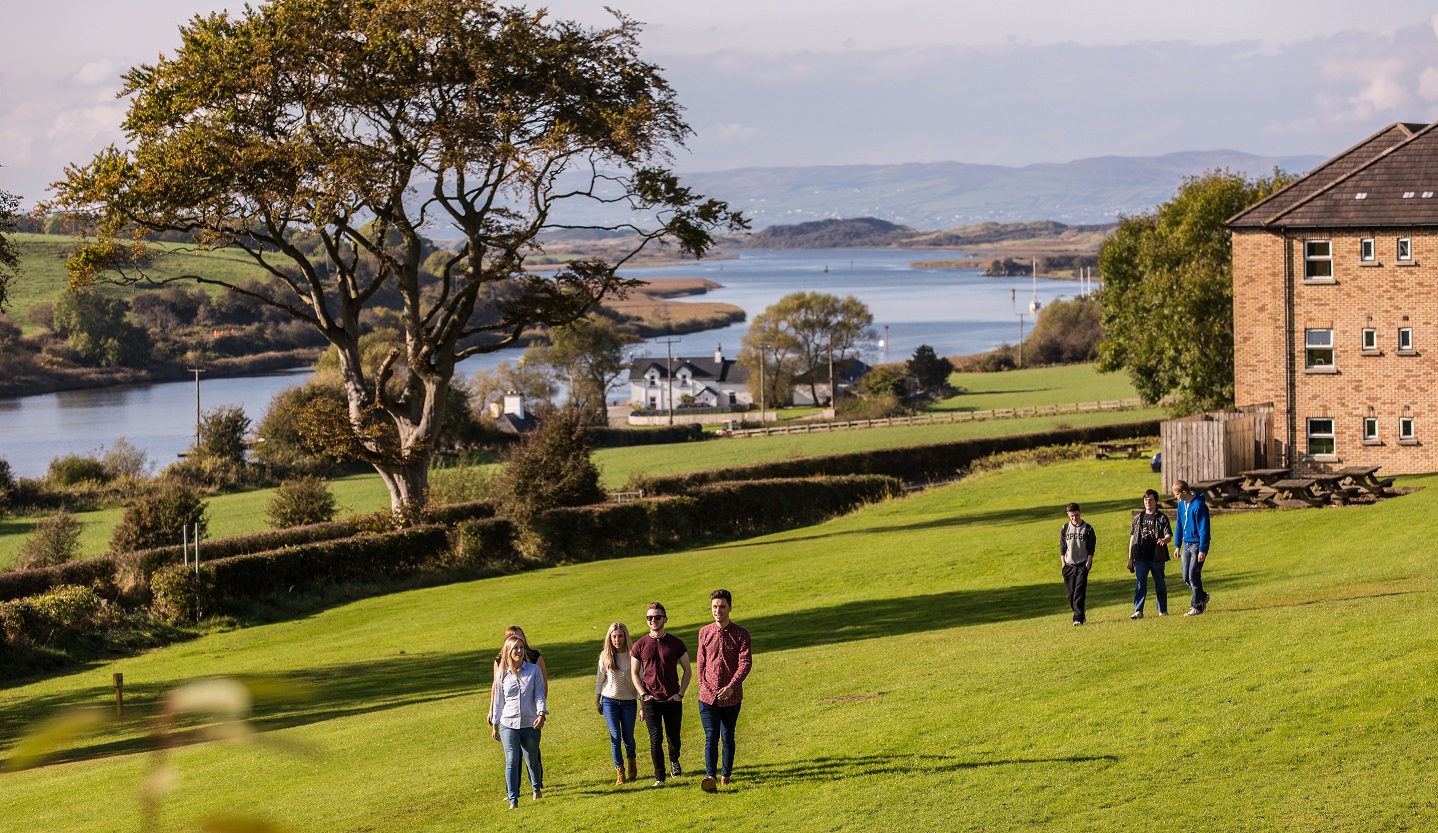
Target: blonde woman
530, 655
616, 698
516, 716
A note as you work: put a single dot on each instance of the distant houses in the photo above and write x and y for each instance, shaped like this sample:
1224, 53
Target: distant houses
707, 382
1335, 294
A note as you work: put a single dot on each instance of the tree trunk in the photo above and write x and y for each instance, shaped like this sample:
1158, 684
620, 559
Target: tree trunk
408, 484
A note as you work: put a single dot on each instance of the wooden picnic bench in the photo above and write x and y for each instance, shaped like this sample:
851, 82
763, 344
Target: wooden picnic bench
1298, 492
1222, 491
1365, 479
1258, 483
1333, 484
1104, 450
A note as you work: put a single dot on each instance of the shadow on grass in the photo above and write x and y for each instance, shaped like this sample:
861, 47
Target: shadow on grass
350, 689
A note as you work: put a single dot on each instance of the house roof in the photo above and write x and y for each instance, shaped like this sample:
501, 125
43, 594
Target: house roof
848, 370
1388, 179
727, 371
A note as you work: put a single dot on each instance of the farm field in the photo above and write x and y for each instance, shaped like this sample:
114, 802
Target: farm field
1063, 385
914, 657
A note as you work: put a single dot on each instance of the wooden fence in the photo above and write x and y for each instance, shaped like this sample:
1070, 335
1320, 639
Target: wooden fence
1216, 445
935, 419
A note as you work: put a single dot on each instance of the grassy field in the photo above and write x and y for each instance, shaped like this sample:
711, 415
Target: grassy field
914, 658
238, 513
1062, 385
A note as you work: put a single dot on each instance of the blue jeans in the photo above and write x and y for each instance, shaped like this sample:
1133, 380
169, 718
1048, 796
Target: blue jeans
620, 715
719, 724
1193, 575
1141, 571
517, 742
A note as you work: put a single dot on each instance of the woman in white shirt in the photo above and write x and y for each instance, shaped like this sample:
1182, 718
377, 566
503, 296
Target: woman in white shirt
516, 715
616, 699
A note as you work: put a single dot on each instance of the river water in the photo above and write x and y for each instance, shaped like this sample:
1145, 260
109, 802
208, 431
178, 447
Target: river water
955, 311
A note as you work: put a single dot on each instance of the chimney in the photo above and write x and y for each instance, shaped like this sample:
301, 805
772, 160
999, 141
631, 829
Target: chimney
719, 354
514, 404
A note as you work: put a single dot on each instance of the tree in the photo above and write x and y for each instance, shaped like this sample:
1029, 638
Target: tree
1067, 332
532, 380
222, 435
9, 253
931, 372
99, 331
770, 353
589, 356
306, 500
1167, 292
550, 467
816, 328
160, 519
55, 540
358, 123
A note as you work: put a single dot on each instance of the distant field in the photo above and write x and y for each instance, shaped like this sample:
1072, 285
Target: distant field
913, 661
1038, 386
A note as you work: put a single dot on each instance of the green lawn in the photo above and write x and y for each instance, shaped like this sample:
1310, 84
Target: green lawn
1064, 385
237, 513
914, 662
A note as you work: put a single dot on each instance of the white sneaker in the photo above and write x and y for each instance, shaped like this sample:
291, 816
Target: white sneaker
1193, 611
657, 784
1137, 614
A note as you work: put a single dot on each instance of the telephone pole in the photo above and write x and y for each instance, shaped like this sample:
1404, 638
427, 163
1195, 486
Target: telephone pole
669, 372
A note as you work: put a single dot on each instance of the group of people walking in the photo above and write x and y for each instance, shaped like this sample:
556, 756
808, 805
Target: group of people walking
642, 679
1148, 552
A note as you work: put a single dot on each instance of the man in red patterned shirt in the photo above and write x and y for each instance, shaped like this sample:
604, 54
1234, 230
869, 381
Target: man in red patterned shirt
724, 661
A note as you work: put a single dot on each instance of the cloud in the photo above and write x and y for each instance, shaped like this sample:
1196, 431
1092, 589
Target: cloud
731, 132
96, 74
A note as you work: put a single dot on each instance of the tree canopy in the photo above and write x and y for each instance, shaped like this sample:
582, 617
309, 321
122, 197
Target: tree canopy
1167, 293
9, 253
803, 330
362, 124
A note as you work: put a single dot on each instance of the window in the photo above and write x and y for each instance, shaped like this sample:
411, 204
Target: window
1318, 259
1405, 429
1319, 344
1370, 429
1370, 340
1366, 250
1320, 435
1405, 248
1405, 339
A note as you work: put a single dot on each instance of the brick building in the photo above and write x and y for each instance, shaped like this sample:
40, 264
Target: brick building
1335, 298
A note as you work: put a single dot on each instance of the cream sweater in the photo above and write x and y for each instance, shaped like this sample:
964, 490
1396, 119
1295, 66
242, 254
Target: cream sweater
615, 684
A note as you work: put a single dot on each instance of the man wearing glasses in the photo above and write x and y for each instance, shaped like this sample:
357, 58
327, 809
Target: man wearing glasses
657, 655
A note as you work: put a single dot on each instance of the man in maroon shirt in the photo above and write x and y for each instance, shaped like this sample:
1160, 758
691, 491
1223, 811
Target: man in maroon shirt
724, 662
661, 692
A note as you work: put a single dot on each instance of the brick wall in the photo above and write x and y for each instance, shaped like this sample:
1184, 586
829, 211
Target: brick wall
1383, 294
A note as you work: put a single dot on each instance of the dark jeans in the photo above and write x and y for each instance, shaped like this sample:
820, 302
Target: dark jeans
620, 714
718, 724
1193, 575
1141, 571
663, 719
1076, 582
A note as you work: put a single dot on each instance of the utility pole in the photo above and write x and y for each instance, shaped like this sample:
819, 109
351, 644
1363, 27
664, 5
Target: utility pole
669, 371
1021, 339
760, 351
197, 371
833, 385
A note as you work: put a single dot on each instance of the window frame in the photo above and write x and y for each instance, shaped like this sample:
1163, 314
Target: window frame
1369, 340
1367, 250
1405, 332
1309, 347
1312, 261
1404, 249
1406, 431
1330, 436
1370, 430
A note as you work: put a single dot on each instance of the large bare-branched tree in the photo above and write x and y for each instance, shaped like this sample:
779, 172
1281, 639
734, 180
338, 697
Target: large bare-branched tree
362, 124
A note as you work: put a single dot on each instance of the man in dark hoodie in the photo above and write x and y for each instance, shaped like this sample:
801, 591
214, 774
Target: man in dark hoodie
1076, 547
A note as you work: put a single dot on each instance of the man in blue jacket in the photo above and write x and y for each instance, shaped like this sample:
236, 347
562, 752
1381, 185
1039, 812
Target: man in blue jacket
1190, 536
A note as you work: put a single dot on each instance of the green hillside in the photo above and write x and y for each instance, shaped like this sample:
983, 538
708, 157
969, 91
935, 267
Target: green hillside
913, 662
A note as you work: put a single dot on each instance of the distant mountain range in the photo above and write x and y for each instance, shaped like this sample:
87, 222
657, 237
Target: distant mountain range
941, 195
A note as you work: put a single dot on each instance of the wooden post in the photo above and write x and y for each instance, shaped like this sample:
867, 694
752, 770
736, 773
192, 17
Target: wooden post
119, 695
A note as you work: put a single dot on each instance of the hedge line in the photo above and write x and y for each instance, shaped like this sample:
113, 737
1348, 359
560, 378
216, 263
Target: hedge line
621, 437
130, 572
910, 463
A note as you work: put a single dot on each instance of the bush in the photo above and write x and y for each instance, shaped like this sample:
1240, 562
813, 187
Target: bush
125, 460
175, 594
307, 500
484, 545
98, 574
284, 448
55, 540
7, 483
877, 406
1067, 332
622, 437
465, 480
549, 468
160, 518
74, 468
39, 620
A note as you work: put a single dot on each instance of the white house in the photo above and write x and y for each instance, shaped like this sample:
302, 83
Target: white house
709, 382
849, 371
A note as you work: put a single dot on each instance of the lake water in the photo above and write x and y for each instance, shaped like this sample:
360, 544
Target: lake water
955, 311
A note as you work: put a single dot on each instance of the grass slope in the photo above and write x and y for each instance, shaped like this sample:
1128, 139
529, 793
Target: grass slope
1063, 385
913, 658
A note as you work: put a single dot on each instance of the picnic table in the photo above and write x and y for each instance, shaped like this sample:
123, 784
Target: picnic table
1298, 492
1258, 483
1365, 479
1222, 491
1333, 484
1118, 449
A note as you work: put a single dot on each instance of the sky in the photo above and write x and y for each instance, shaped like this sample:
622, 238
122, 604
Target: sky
844, 82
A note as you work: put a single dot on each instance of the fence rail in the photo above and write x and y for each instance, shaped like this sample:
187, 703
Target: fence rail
935, 419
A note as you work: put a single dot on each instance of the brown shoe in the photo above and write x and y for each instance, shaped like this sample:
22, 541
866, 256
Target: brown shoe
618, 776
723, 780
633, 770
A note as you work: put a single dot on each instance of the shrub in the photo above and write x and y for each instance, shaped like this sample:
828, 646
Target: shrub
306, 500
160, 518
549, 468
485, 545
54, 540
7, 483
96, 573
74, 468
175, 594
464, 480
38, 620
284, 448
1067, 332
123, 459
876, 406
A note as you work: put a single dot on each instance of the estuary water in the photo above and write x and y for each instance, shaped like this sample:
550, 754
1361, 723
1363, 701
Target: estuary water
955, 311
